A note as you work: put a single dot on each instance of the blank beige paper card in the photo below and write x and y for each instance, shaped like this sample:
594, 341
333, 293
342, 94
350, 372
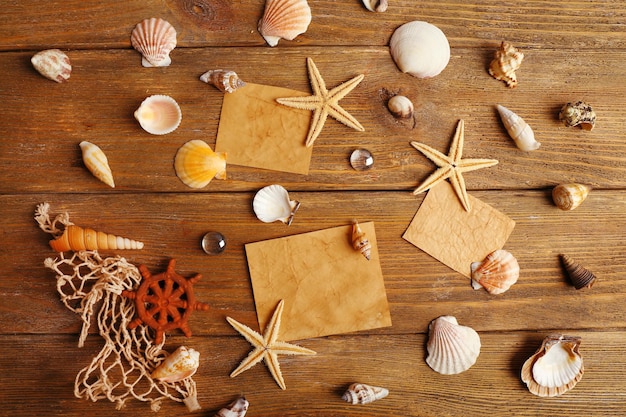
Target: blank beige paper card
328, 287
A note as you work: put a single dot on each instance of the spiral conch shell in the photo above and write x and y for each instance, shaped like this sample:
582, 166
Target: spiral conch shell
581, 277
284, 19
154, 38
181, 364
53, 64
97, 163
569, 196
578, 114
360, 242
196, 164
76, 238
224, 80
555, 368
452, 348
364, 394
237, 408
496, 273
518, 129
159, 114
420, 49
506, 61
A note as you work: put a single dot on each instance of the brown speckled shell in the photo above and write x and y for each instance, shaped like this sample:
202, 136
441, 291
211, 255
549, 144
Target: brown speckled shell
580, 276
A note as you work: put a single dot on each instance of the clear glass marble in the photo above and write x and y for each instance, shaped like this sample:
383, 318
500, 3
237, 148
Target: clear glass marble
213, 243
361, 159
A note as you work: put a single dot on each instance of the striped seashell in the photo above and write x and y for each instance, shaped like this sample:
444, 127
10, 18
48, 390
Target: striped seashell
224, 80
496, 273
237, 408
364, 394
154, 38
569, 196
580, 276
181, 364
159, 114
284, 19
76, 238
96, 162
53, 64
360, 242
196, 164
506, 61
521, 133
452, 348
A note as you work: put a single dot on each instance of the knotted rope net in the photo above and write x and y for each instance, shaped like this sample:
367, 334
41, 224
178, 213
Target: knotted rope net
121, 370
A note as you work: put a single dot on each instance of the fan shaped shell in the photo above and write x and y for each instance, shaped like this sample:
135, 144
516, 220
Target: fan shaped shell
420, 49
496, 273
181, 364
284, 19
196, 164
159, 114
452, 348
154, 38
272, 203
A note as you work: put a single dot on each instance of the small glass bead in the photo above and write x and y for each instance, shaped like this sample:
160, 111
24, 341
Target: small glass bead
213, 243
361, 159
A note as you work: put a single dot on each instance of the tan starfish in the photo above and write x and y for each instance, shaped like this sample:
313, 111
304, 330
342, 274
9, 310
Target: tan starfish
324, 103
451, 166
266, 347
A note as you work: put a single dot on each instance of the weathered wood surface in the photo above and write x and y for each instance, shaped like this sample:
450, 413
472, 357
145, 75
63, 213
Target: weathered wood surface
574, 51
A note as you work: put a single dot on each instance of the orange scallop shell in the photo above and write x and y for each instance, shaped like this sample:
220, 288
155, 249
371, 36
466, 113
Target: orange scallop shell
284, 19
496, 273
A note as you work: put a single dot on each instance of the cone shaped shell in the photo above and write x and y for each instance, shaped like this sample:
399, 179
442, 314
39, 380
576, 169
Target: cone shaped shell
52, 64
76, 238
580, 276
284, 19
420, 49
272, 203
196, 164
452, 348
224, 80
360, 242
154, 38
496, 273
364, 394
569, 196
555, 368
159, 115
237, 408
521, 133
181, 364
96, 162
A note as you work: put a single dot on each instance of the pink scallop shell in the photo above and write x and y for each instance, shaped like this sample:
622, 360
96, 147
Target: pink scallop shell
154, 38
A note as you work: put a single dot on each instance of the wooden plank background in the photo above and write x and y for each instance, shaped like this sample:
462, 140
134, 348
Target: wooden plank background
574, 51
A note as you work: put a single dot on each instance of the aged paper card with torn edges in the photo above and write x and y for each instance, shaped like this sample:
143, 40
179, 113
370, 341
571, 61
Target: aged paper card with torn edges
328, 287
453, 236
256, 131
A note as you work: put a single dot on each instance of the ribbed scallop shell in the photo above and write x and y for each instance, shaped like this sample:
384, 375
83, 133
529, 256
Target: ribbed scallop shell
53, 64
77, 238
506, 61
237, 408
581, 277
496, 273
154, 38
272, 203
420, 49
284, 19
97, 163
224, 80
360, 242
518, 129
364, 394
196, 164
159, 114
181, 364
578, 114
555, 368
569, 196
452, 348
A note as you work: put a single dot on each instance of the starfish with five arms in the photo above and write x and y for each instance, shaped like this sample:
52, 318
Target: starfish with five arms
451, 166
266, 347
324, 103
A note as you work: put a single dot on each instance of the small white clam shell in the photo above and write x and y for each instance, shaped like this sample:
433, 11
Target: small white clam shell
420, 49
272, 203
284, 19
364, 394
154, 38
159, 114
181, 364
518, 129
237, 408
53, 64
400, 106
452, 348
96, 162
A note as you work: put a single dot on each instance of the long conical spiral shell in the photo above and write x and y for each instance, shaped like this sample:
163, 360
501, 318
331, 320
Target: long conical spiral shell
97, 163
518, 129
77, 238
364, 394
224, 80
360, 242
581, 277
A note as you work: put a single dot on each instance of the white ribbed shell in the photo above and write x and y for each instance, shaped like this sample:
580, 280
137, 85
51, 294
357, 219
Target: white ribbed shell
452, 348
154, 38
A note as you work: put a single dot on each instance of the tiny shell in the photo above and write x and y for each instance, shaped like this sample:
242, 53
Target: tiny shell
401, 107
376, 5
555, 368
518, 129
452, 348
580, 276
364, 394
496, 273
196, 164
272, 203
284, 19
506, 61
569, 196
159, 114
579, 113
77, 238
224, 80
154, 38
96, 162
237, 408
181, 364
420, 49
360, 242
52, 64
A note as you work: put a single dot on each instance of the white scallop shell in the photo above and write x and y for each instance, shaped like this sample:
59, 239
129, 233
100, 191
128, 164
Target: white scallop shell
159, 114
452, 348
272, 203
364, 394
53, 64
420, 49
284, 19
154, 38
518, 129
496, 273
181, 364
96, 162
237, 408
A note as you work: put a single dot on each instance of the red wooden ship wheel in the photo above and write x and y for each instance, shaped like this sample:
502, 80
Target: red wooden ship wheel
164, 301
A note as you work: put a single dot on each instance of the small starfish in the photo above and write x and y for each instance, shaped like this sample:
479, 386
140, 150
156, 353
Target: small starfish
266, 347
324, 103
451, 166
